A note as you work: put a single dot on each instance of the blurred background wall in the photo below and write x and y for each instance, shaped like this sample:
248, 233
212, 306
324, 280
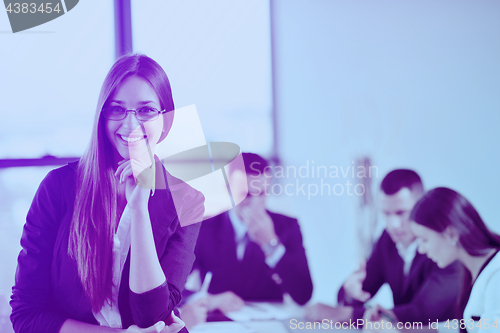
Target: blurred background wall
410, 84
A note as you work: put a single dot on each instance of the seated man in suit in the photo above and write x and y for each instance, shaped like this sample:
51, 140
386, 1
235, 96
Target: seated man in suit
421, 290
254, 254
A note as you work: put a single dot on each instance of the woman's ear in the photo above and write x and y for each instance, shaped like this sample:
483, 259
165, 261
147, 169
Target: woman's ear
451, 233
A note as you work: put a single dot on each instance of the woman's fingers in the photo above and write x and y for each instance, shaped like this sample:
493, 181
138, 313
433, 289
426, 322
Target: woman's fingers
156, 328
127, 168
144, 174
121, 165
126, 172
138, 167
159, 326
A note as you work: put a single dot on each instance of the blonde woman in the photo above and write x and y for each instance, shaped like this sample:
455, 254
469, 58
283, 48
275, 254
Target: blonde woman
101, 253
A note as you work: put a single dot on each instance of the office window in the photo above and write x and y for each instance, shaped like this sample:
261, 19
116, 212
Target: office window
50, 81
51, 77
217, 55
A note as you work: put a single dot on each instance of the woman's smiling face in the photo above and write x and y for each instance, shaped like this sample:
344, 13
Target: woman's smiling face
127, 136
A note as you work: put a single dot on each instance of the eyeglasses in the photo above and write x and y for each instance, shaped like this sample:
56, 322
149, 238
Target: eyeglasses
145, 113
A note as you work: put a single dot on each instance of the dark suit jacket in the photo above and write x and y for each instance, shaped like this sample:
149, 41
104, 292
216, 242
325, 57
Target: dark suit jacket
48, 290
427, 293
252, 278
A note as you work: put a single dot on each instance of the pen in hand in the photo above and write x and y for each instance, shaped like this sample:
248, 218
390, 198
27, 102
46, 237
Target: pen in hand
206, 284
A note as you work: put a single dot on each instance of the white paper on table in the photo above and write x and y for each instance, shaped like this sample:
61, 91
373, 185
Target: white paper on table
258, 311
267, 326
222, 327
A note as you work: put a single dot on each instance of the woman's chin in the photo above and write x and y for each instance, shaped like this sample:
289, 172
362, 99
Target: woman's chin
435, 261
124, 154
442, 264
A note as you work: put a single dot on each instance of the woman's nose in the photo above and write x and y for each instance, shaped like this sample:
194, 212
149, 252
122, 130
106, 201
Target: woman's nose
130, 122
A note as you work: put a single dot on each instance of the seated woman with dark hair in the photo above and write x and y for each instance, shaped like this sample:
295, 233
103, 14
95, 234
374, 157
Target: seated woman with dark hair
450, 229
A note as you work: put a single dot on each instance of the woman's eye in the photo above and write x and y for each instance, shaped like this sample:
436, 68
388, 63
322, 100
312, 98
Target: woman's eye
147, 110
116, 109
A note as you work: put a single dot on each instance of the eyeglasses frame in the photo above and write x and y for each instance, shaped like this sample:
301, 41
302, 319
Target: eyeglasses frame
135, 114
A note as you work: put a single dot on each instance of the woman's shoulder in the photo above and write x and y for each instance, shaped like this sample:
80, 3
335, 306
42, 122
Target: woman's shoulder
61, 177
483, 301
492, 271
65, 170
488, 281
53, 198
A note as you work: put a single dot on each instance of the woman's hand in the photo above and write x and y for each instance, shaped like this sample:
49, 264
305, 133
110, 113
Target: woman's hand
156, 328
138, 177
174, 325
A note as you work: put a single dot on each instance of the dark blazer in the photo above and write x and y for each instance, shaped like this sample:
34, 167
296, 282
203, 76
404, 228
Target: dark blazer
252, 278
427, 293
48, 290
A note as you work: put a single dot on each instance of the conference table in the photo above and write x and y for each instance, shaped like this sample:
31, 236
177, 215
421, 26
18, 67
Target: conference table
265, 317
